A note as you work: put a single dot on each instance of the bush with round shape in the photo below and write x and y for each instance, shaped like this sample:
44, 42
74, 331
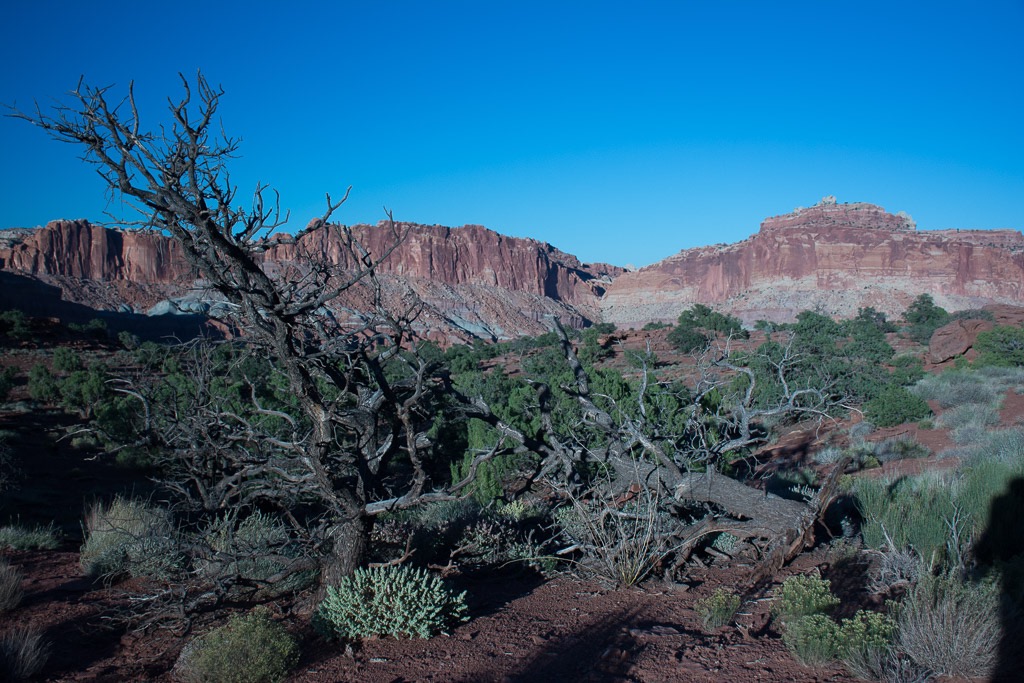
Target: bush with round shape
381, 601
129, 537
801, 596
250, 648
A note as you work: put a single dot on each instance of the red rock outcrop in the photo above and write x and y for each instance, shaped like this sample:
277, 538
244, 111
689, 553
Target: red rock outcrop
832, 257
477, 281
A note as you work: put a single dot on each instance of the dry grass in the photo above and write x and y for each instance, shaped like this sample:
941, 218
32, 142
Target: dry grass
23, 653
10, 586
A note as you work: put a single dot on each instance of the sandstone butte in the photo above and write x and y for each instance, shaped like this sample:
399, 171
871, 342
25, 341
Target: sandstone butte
830, 257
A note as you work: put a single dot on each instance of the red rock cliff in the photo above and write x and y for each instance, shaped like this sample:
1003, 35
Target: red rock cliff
836, 257
481, 282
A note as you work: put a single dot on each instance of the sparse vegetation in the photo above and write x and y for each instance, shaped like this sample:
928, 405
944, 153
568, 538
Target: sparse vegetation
23, 653
10, 586
20, 537
718, 609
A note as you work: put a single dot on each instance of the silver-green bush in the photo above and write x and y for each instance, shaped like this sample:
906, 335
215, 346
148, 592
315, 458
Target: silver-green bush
129, 537
398, 601
23, 653
250, 648
950, 627
10, 586
22, 537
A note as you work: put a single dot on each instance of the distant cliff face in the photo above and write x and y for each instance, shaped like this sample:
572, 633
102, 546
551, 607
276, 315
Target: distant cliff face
476, 281
832, 257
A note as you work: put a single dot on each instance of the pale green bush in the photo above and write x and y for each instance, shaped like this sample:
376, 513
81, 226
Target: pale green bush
718, 609
29, 538
813, 639
950, 627
250, 648
801, 596
129, 536
398, 601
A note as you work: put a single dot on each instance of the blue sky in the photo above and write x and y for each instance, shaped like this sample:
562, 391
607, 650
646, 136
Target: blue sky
619, 132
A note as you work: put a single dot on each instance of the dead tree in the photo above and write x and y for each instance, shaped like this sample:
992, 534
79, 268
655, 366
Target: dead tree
684, 468
357, 444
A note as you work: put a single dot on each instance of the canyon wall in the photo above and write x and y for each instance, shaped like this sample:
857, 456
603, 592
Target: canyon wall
831, 257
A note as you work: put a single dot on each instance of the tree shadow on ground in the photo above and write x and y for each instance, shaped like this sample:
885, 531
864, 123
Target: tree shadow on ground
1000, 552
602, 651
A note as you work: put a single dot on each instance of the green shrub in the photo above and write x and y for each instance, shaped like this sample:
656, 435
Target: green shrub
254, 550
21, 537
15, 325
867, 644
801, 596
895, 405
1002, 345
129, 536
250, 648
813, 639
10, 586
67, 360
718, 609
7, 376
398, 601
23, 653
950, 627
42, 385
688, 340
923, 317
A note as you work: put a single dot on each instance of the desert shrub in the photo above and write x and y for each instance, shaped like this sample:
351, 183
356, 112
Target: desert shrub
397, 600
894, 405
899, 449
1002, 345
813, 639
253, 550
969, 423
21, 537
923, 317
67, 360
129, 536
10, 586
801, 596
14, 324
718, 609
688, 340
829, 455
651, 326
957, 388
23, 653
42, 385
896, 568
867, 644
907, 369
250, 648
950, 627
6, 382
911, 512
619, 545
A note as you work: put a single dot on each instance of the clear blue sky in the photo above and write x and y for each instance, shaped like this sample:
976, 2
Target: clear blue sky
620, 132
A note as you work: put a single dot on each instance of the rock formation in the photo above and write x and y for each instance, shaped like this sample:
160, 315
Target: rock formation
476, 281
830, 257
